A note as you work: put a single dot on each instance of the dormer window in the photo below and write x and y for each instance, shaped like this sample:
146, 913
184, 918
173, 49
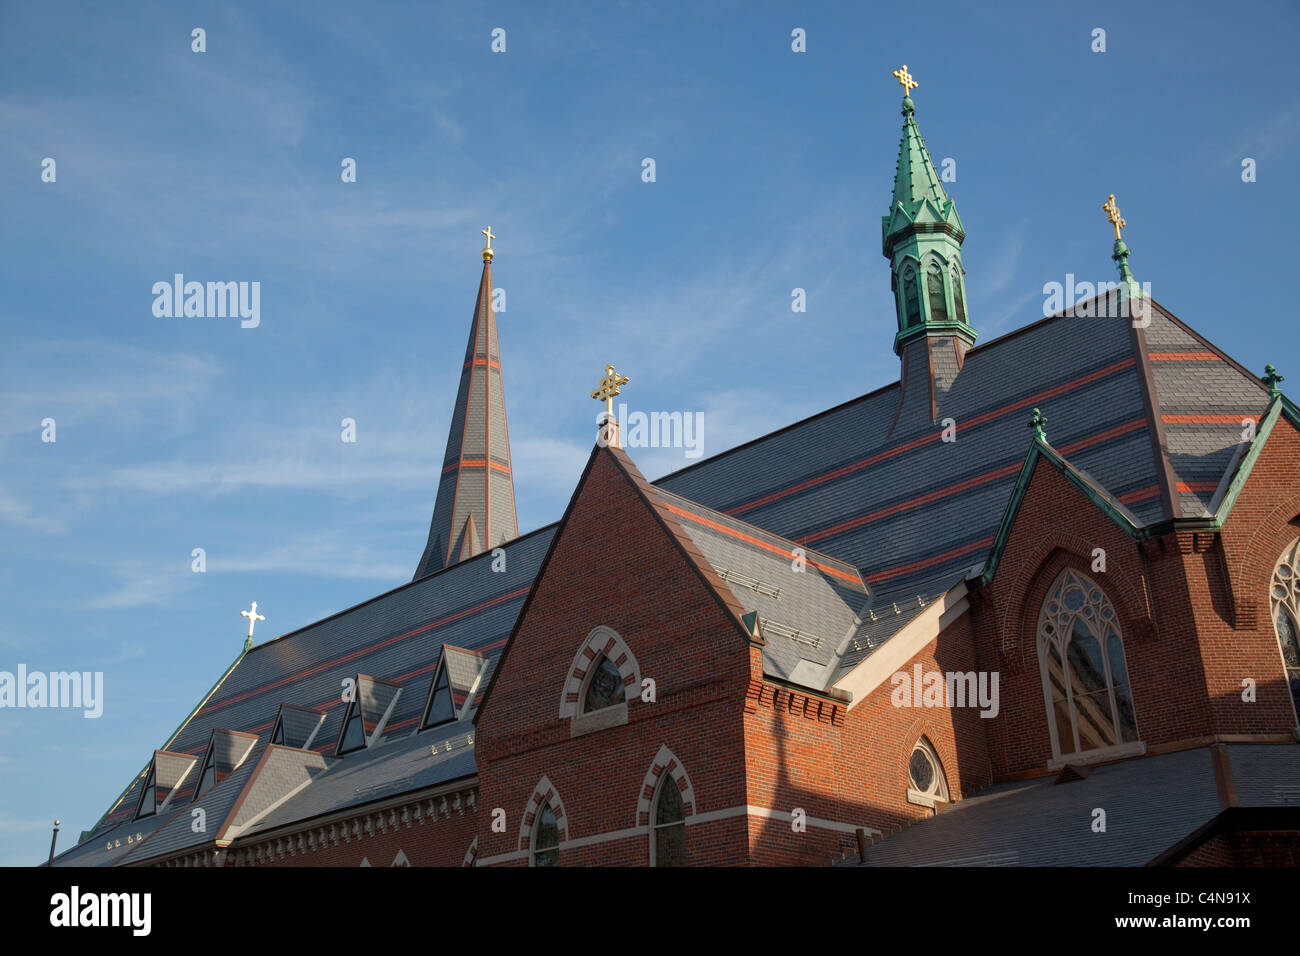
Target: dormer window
208, 776
439, 709
367, 714
354, 733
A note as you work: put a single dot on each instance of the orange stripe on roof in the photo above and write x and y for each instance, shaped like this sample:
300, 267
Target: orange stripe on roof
758, 542
475, 463
1183, 356
937, 559
400, 678
1142, 494
1194, 487
918, 442
913, 502
969, 483
1208, 419
365, 650
480, 361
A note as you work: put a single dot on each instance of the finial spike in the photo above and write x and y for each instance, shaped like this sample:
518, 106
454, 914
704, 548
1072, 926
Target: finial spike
1036, 423
1271, 379
487, 250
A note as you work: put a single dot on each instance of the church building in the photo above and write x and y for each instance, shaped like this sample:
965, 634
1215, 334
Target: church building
1035, 603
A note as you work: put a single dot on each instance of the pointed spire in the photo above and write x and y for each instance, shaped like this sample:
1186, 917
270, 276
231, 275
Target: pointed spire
474, 509
921, 237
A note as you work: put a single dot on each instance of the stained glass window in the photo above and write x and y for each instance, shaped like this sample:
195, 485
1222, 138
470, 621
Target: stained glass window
546, 838
934, 288
669, 830
1284, 595
1081, 655
924, 774
605, 688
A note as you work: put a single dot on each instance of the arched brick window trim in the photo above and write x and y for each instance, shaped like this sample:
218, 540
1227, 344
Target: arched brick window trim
602, 640
1128, 593
544, 792
1252, 570
665, 762
927, 726
471, 855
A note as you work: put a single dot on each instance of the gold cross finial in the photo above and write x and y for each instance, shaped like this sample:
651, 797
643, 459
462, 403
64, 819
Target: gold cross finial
905, 80
609, 387
253, 618
1112, 213
487, 250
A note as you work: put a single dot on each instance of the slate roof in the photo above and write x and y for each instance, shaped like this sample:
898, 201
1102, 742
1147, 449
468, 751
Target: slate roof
906, 507
1151, 803
474, 508
857, 486
394, 637
807, 607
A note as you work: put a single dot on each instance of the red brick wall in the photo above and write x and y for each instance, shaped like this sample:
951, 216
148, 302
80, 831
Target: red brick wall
613, 564
1185, 660
857, 773
443, 842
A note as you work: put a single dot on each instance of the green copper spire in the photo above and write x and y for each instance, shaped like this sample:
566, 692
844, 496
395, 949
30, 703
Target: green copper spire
922, 237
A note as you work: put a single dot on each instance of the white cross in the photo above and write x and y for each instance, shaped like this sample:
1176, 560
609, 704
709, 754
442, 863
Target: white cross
253, 617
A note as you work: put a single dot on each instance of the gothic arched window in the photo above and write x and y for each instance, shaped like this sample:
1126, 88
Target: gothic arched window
1085, 679
668, 825
926, 782
1284, 596
958, 301
911, 297
934, 289
546, 838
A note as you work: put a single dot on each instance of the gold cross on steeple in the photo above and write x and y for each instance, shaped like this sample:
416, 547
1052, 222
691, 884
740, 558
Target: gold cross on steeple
253, 618
608, 388
905, 80
1112, 213
487, 250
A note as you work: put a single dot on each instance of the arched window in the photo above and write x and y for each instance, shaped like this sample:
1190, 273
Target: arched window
934, 289
1085, 679
604, 686
546, 838
925, 772
668, 825
958, 301
1284, 595
911, 297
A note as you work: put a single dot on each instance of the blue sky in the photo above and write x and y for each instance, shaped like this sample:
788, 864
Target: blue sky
773, 170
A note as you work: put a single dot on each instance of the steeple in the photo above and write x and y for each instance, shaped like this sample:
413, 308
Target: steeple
474, 510
922, 237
